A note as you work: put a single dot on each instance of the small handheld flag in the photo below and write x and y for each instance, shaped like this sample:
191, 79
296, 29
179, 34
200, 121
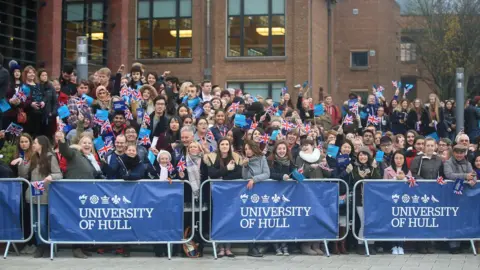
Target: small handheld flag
181, 165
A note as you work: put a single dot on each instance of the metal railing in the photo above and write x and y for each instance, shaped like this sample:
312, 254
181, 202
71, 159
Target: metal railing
23, 240
52, 243
325, 241
365, 240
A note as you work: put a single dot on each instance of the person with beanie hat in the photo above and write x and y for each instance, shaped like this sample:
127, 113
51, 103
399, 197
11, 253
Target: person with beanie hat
365, 167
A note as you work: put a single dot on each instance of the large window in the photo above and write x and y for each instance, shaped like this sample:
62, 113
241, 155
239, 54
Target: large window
256, 28
408, 50
85, 18
359, 60
264, 89
164, 29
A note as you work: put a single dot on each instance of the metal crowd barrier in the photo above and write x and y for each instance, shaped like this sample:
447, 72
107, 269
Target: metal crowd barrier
325, 241
168, 243
13, 241
365, 241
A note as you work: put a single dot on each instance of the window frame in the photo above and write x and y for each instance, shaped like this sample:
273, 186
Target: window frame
408, 52
366, 67
268, 82
270, 15
150, 19
87, 27
360, 92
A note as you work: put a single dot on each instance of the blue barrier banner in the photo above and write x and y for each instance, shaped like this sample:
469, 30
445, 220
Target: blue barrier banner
10, 214
429, 210
274, 210
116, 211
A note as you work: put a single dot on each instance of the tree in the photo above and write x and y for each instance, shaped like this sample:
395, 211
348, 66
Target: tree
447, 36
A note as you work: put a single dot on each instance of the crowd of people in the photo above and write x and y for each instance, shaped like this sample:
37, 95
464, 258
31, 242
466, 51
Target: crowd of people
135, 124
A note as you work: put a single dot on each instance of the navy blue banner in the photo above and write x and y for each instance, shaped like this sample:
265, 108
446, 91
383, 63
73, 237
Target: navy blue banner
274, 210
10, 221
116, 211
429, 210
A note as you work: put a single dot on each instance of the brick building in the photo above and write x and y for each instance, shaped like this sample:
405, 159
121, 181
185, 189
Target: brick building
257, 45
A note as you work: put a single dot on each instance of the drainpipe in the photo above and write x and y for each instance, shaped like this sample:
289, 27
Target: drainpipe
207, 73
329, 48
310, 45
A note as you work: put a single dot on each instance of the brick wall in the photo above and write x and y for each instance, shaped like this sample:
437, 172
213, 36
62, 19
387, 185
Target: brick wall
374, 28
49, 37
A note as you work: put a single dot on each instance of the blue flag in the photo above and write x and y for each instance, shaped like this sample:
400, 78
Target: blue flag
379, 156
151, 157
319, 110
4, 106
102, 115
274, 135
63, 112
240, 120
332, 150
120, 106
88, 99
298, 175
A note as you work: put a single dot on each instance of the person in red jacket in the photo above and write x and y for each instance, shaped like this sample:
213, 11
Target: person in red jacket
332, 110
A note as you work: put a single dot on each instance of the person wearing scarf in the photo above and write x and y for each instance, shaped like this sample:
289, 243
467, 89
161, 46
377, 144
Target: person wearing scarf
131, 166
365, 167
280, 162
159, 170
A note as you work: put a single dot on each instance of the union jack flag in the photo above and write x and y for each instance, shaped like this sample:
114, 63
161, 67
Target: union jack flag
272, 110
301, 169
14, 129
60, 124
170, 167
372, 119
265, 138
308, 128
395, 84
136, 95
354, 108
124, 92
146, 119
80, 102
210, 135
234, 107
380, 89
411, 181
98, 121
144, 141
348, 120
39, 185
254, 125
181, 165
324, 166
440, 181
128, 114
287, 125
106, 127
21, 95
104, 150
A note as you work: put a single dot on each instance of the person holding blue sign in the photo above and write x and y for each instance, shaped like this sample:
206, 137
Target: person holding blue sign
365, 167
44, 168
255, 169
397, 170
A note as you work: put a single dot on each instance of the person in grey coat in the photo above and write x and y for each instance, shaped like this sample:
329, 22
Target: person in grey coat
458, 167
79, 157
255, 169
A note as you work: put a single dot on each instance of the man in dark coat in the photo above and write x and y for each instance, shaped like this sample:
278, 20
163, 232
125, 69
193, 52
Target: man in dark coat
4, 80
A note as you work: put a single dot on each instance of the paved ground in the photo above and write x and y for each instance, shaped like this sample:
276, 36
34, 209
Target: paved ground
145, 261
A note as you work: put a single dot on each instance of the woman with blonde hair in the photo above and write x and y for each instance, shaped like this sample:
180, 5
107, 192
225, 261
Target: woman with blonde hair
436, 118
399, 117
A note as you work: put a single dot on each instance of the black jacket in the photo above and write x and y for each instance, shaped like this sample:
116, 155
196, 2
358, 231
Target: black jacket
50, 99
278, 170
4, 81
471, 119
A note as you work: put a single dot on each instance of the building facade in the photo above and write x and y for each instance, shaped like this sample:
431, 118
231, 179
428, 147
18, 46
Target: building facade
260, 46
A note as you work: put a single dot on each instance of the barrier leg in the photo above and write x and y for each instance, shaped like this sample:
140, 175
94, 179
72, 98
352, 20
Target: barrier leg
6, 250
214, 246
367, 251
327, 252
51, 251
169, 251
473, 247
16, 249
